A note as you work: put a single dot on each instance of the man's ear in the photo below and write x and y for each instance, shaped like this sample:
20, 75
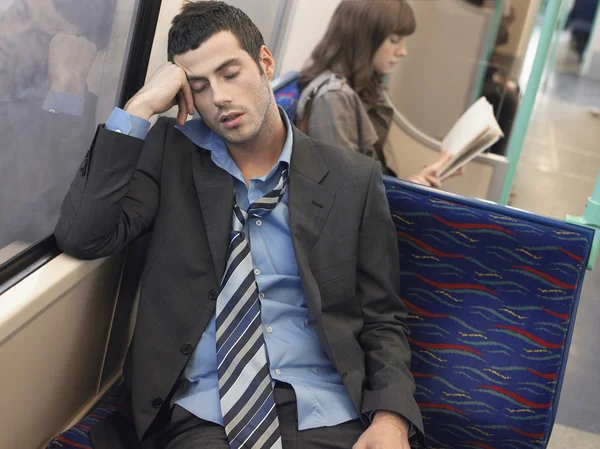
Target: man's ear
267, 62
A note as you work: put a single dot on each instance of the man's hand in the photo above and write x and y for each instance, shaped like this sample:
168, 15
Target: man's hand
387, 431
69, 61
166, 88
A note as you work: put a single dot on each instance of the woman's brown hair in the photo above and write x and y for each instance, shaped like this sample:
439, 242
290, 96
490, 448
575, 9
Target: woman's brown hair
356, 31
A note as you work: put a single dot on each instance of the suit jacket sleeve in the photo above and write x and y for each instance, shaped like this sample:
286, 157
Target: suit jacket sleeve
384, 337
115, 194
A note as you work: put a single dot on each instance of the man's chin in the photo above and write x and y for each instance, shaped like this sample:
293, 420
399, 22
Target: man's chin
238, 141
238, 136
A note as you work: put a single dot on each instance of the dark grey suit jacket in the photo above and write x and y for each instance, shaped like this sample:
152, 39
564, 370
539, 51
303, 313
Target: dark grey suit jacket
344, 243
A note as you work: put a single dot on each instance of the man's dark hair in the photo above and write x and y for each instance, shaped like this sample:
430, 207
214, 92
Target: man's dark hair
198, 21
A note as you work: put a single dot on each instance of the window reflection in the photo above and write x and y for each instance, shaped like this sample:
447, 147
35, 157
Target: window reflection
60, 66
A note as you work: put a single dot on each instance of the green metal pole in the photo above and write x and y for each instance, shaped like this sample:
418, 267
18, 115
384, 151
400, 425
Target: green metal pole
562, 22
519, 131
591, 219
490, 45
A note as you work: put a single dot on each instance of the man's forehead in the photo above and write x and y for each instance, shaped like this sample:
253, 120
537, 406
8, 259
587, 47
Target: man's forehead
212, 53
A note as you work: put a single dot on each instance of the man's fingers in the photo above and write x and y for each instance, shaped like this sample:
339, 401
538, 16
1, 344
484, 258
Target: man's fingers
182, 112
362, 441
359, 445
187, 94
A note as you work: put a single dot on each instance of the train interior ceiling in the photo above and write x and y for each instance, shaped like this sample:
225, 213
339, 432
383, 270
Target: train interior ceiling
65, 324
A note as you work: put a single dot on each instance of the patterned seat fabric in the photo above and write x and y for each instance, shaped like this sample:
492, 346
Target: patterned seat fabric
491, 295
78, 436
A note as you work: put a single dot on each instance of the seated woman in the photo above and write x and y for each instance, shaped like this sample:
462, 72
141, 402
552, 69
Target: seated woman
341, 101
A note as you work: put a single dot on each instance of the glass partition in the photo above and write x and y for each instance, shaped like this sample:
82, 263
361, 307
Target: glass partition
462, 50
61, 70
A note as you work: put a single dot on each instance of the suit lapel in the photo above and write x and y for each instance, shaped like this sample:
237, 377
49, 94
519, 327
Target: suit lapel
215, 193
310, 204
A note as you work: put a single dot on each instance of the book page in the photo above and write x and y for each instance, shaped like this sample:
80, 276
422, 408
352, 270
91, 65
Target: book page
474, 132
485, 142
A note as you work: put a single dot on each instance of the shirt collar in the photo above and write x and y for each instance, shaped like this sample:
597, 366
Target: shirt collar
200, 134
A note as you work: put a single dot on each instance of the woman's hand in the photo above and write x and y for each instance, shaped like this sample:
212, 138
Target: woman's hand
428, 176
425, 179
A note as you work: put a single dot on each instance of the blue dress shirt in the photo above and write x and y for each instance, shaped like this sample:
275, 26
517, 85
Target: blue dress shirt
294, 350
65, 103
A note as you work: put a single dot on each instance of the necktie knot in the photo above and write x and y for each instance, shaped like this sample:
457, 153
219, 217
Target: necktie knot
261, 207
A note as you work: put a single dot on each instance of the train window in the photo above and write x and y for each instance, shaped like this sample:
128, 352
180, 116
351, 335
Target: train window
61, 69
64, 65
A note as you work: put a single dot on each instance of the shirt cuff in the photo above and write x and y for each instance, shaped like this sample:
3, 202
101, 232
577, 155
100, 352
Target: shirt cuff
65, 103
126, 123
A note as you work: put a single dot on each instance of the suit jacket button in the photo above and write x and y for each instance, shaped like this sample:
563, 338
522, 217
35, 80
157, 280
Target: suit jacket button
186, 349
213, 294
157, 402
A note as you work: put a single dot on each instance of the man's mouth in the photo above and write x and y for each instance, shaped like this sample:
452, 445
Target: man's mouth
230, 117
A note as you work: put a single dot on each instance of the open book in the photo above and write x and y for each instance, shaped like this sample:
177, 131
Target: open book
474, 132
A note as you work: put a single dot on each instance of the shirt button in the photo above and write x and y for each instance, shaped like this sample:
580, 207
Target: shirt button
258, 223
118, 131
52, 110
269, 329
256, 271
261, 296
278, 372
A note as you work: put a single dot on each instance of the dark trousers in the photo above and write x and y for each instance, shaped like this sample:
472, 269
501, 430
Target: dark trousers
186, 431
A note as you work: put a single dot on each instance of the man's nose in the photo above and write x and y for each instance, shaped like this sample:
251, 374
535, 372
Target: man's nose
221, 96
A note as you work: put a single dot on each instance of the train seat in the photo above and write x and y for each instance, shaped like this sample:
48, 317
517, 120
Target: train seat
492, 294
78, 436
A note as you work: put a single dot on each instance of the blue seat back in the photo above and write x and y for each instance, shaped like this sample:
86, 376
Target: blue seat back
492, 294
287, 93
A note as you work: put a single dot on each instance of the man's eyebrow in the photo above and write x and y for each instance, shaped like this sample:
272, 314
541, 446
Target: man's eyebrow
217, 70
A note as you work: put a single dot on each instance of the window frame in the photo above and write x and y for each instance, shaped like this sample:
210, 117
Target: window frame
20, 266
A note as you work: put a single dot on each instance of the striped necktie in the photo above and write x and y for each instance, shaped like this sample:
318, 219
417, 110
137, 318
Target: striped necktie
245, 388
